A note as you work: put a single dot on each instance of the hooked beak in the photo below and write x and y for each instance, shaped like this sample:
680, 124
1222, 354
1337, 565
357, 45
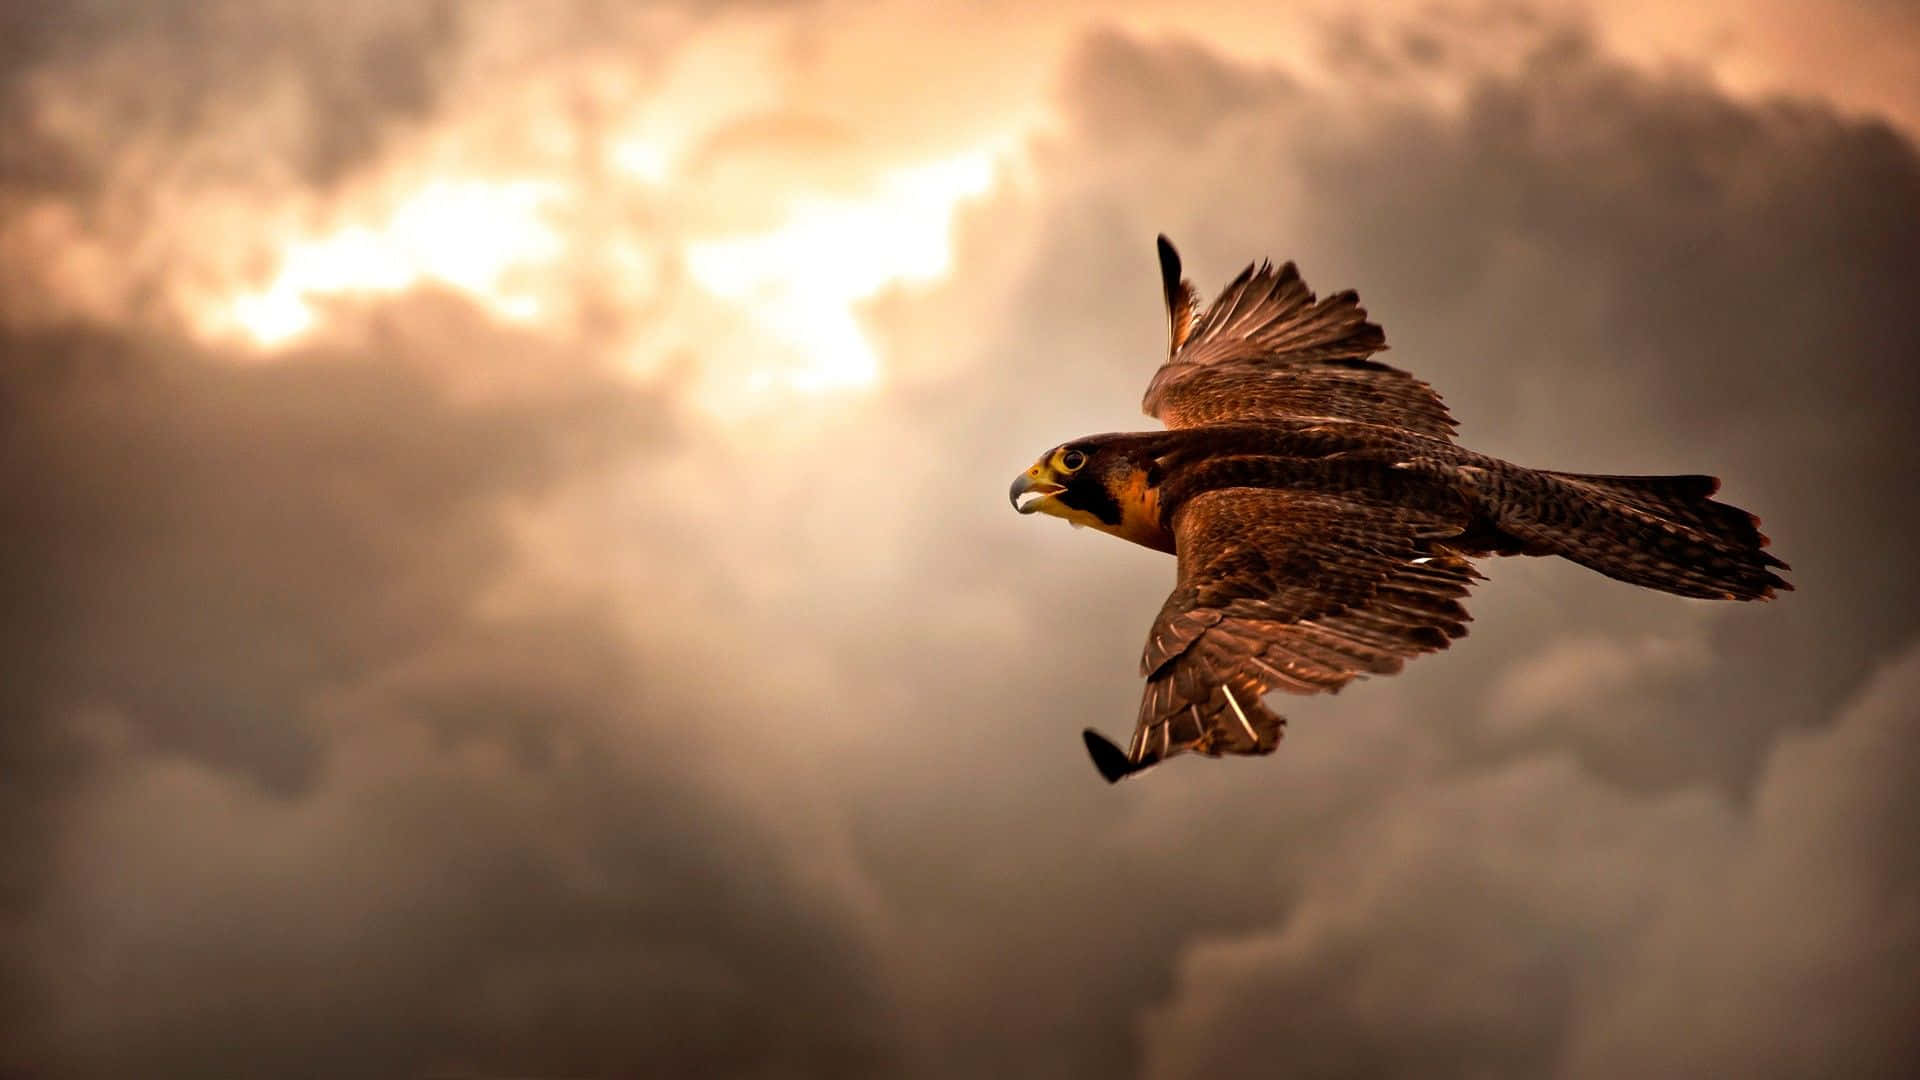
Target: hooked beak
1037, 481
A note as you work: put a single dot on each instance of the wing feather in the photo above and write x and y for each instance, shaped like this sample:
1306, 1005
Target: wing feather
1291, 591
1267, 349
1183, 300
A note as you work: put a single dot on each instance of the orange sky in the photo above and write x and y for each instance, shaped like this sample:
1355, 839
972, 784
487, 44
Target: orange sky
762, 172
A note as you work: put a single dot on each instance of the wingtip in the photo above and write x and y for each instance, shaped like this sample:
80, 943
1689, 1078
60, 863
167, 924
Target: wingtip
1169, 261
1108, 758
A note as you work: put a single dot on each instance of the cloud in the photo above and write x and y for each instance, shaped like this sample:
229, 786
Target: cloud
437, 693
336, 83
1115, 91
1785, 950
1533, 921
297, 783
193, 533
491, 873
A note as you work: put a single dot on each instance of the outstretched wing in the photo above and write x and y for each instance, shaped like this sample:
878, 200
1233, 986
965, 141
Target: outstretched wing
1283, 590
1267, 349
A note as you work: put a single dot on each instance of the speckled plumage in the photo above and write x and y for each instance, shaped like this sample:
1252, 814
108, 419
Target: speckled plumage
1325, 521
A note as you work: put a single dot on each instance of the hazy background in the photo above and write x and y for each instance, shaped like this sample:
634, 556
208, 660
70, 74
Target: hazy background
505, 570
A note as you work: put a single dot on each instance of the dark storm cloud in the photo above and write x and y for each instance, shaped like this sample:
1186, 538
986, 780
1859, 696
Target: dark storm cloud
175, 70
1461, 931
283, 791
494, 877
217, 541
1118, 91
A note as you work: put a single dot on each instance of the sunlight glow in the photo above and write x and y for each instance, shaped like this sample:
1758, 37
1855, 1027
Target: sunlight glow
644, 160
802, 281
469, 235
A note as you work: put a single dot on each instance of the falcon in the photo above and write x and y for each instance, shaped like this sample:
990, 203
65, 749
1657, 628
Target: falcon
1323, 520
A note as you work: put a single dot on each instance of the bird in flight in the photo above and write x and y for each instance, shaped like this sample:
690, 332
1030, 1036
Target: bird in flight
1324, 521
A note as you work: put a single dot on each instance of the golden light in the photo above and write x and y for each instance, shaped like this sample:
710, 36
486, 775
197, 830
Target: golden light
470, 235
642, 159
538, 215
801, 282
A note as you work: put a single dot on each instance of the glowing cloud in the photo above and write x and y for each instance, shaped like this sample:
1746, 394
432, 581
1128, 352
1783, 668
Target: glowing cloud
469, 235
801, 282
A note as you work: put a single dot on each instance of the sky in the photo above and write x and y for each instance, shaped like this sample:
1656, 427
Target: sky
507, 570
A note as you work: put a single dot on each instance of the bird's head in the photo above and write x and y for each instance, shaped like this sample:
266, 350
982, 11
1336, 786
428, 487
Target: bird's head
1108, 482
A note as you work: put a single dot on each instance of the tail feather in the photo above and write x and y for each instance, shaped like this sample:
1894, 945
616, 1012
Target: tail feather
1680, 500
1663, 532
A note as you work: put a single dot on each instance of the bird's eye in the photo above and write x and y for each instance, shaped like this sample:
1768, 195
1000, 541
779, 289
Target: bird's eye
1072, 460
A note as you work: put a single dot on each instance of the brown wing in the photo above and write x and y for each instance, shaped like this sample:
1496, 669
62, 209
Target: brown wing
1287, 591
1267, 349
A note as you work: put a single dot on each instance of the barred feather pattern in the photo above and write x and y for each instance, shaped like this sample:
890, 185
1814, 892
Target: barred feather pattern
1661, 532
1294, 591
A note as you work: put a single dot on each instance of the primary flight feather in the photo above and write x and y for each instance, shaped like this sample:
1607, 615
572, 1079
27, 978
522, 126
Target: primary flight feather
1324, 520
